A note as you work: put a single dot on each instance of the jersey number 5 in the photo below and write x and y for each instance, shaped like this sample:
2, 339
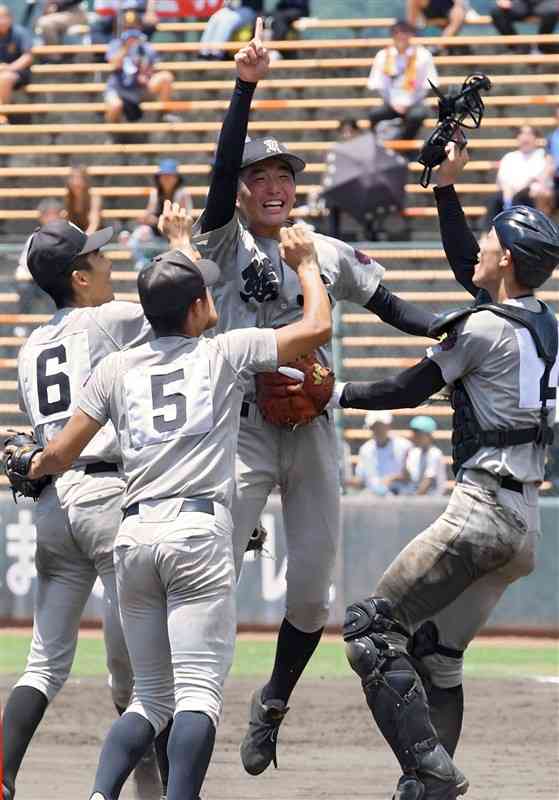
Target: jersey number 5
161, 422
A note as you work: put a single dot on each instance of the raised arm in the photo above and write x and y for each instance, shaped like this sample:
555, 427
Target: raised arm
253, 63
407, 389
460, 245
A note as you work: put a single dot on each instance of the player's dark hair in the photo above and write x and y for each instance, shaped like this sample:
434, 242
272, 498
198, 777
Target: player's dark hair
62, 292
171, 323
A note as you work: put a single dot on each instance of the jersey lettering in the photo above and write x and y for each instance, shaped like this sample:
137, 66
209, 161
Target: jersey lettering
531, 370
168, 401
260, 282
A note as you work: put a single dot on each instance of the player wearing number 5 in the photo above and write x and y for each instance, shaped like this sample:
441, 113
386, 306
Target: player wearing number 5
501, 358
175, 403
77, 516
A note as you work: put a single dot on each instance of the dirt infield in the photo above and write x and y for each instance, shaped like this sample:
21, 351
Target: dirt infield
328, 746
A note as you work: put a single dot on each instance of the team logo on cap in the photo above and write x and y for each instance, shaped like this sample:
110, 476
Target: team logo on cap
272, 146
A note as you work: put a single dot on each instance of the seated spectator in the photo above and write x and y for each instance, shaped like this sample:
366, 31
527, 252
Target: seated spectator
83, 208
348, 129
381, 460
30, 295
146, 241
57, 16
112, 15
505, 12
517, 171
452, 12
15, 57
545, 189
400, 74
284, 15
424, 471
134, 79
226, 21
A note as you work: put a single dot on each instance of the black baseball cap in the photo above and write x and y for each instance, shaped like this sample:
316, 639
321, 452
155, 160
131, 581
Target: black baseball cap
173, 281
55, 246
262, 149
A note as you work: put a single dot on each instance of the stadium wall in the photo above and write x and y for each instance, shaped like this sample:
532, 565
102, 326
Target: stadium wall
374, 532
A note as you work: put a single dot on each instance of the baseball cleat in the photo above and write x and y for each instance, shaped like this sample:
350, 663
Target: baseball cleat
412, 787
147, 783
258, 748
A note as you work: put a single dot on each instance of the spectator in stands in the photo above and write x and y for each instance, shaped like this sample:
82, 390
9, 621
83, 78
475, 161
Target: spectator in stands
452, 14
146, 241
113, 15
83, 208
424, 471
517, 172
348, 129
134, 79
545, 189
226, 21
56, 18
400, 74
29, 293
505, 12
15, 57
382, 459
284, 15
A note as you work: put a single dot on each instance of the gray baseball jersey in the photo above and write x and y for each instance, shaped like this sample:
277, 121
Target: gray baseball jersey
175, 403
497, 361
257, 289
58, 358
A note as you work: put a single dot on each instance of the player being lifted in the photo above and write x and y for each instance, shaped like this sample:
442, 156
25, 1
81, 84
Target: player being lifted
500, 356
175, 404
251, 195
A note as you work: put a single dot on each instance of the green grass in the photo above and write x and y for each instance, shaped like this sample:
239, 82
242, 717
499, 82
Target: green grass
255, 658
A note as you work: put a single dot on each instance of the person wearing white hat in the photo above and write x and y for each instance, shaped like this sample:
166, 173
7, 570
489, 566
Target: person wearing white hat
382, 457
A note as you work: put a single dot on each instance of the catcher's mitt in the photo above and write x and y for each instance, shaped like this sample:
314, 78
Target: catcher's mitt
282, 407
19, 449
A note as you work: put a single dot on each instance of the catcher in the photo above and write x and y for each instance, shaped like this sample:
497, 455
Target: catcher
251, 195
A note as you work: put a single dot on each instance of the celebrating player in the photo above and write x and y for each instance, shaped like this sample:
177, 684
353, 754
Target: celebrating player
251, 196
78, 514
175, 404
500, 355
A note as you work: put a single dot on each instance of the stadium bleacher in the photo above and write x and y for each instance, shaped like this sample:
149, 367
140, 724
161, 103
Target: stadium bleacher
302, 103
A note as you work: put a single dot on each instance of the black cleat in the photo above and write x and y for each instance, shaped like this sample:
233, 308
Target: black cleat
258, 748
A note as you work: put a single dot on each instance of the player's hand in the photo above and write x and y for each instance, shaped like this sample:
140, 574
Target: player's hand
453, 165
253, 61
176, 225
297, 247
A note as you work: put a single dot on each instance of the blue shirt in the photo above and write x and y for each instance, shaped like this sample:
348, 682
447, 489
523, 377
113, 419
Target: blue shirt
376, 463
138, 59
14, 44
552, 148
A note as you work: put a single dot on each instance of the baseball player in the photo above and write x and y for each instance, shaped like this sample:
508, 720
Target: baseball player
406, 642
251, 196
77, 516
175, 403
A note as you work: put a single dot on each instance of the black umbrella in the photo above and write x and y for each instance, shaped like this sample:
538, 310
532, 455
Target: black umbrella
364, 178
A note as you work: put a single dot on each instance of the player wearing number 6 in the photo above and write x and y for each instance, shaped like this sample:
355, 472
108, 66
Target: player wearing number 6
78, 514
501, 358
175, 403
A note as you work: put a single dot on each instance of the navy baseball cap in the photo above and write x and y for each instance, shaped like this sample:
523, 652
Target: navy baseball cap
55, 246
172, 281
262, 149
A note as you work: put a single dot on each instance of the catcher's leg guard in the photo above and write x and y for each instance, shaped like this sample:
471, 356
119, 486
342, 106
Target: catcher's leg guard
395, 694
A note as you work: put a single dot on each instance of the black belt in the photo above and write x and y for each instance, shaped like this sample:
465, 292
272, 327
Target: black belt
199, 505
506, 483
101, 466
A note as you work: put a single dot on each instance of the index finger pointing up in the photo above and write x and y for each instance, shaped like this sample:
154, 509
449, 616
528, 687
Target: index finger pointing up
259, 30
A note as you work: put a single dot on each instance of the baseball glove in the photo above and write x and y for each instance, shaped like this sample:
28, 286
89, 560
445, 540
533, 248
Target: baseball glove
19, 449
281, 406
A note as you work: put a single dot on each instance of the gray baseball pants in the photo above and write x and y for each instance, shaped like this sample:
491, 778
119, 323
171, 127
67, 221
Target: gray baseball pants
303, 463
455, 572
76, 526
177, 602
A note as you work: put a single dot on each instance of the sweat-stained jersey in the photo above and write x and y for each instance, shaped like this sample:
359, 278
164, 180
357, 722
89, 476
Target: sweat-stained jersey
175, 403
59, 357
496, 360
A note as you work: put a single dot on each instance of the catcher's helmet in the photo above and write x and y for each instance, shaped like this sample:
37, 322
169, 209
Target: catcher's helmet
533, 241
